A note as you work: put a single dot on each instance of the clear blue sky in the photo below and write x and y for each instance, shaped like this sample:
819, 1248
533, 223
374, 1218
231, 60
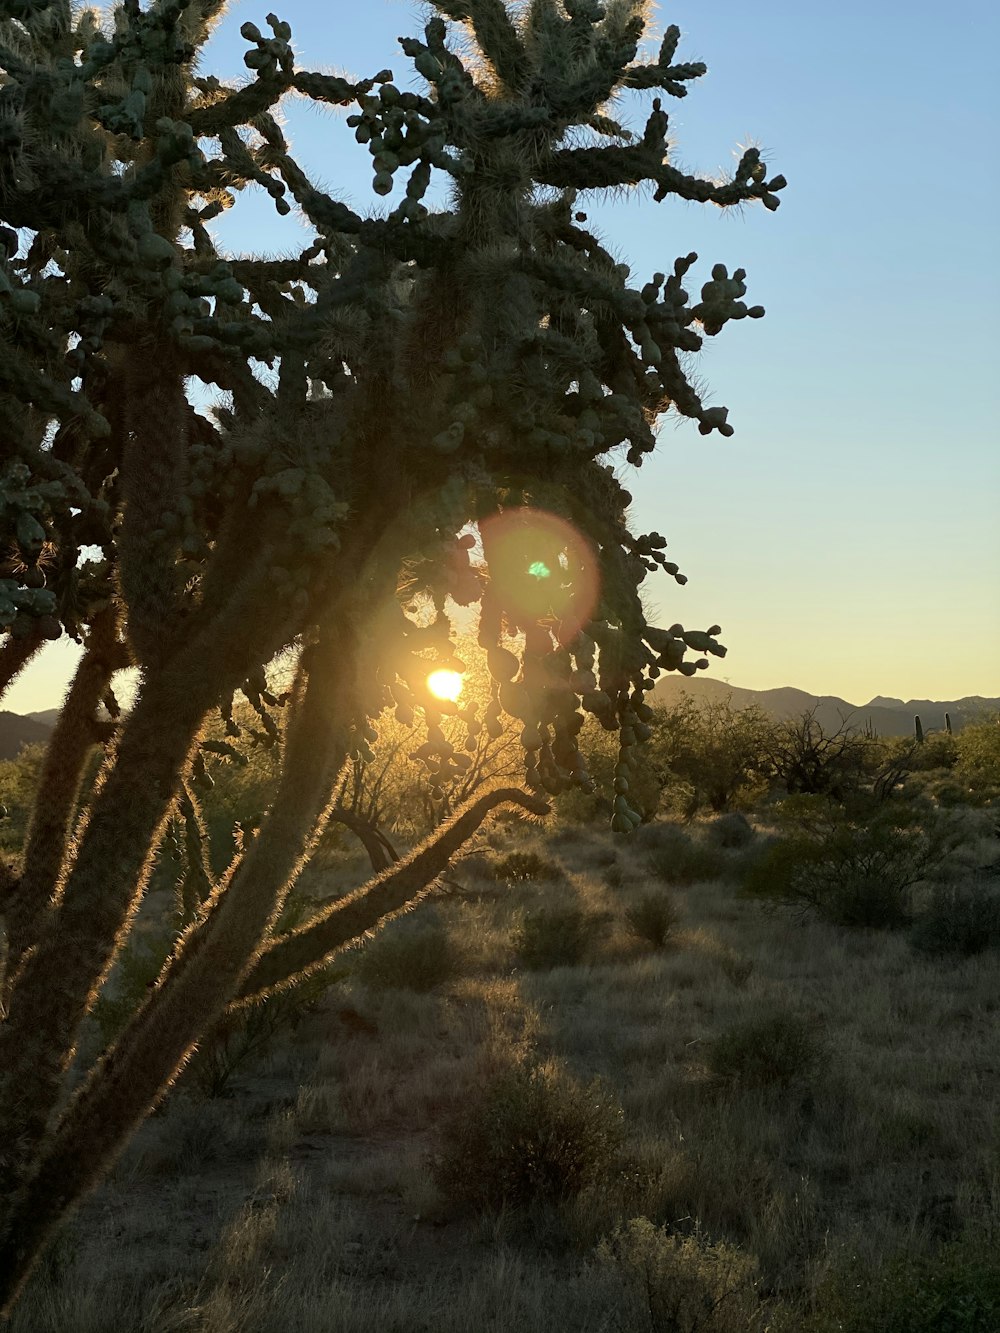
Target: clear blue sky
847, 538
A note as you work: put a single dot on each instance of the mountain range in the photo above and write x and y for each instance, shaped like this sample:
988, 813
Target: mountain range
16, 731
884, 715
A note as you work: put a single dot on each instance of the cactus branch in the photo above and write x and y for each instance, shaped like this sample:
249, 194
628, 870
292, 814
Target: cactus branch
291, 957
15, 654
72, 740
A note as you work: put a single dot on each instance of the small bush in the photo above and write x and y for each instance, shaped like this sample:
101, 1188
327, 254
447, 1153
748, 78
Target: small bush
417, 959
681, 1283
557, 937
653, 919
733, 831
524, 867
532, 1135
247, 1034
961, 919
676, 859
660, 835
736, 967
775, 1051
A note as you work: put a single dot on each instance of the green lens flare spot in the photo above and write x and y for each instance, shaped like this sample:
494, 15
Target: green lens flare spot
538, 569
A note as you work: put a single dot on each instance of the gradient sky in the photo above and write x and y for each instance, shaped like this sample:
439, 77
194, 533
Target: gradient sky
847, 537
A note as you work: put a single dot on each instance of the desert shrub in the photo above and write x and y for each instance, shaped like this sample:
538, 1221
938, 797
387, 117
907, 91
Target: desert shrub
954, 1290
961, 918
808, 759
652, 918
719, 752
556, 937
661, 835
938, 750
248, 1034
978, 768
676, 858
776, 1050
407, 957
736, 967
524, 867
241, 1037
19, 780
532, 1134
732, 831
684, 1284
854, 866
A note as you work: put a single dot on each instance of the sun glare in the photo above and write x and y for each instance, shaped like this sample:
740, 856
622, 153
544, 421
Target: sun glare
445, 684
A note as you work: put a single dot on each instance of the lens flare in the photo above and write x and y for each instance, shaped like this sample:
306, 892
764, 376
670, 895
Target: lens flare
542, 568
445, 684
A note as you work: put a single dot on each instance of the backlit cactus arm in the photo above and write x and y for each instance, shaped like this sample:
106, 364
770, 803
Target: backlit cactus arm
154, 467
73, 738
496, 34
15, 654
291, 957
201, 977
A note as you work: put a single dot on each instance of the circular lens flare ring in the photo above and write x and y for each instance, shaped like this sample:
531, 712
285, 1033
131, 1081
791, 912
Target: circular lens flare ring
542, 567
445, 684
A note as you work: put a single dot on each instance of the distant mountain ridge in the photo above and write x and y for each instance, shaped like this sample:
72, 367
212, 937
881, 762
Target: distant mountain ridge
17, 731
886, 716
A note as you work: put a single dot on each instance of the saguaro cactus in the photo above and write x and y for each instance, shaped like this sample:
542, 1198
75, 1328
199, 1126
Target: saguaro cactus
482, 363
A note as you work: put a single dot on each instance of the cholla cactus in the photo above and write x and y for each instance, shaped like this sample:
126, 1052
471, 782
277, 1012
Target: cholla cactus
436, 373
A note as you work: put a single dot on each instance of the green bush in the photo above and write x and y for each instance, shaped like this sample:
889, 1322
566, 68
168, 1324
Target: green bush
557, 937
955, 1290
652, 918
19, 780
938, 750
524, 867
720, 752
979, 754
777, 1050
683, 1284
531, 1135
405, 957
962, 919
856, 866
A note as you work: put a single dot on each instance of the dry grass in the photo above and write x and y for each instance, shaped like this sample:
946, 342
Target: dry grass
305, 1202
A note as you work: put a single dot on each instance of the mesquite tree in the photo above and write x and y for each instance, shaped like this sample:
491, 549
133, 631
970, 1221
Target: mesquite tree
421, 409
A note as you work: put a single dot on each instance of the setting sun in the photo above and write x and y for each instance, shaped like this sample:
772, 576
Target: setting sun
445, 684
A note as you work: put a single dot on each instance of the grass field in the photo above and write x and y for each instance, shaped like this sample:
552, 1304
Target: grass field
809, 1130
